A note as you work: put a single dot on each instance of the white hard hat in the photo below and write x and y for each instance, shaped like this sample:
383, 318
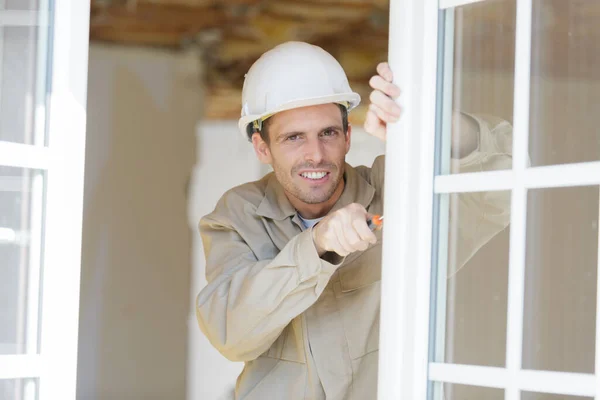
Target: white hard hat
292, 75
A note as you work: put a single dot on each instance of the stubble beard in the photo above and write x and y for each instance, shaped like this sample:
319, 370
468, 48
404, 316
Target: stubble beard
309, 196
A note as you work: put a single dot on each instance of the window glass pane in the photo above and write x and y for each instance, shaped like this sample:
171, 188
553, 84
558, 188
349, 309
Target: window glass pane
24, 4
466, 392
548, 396
21, 217
560, 279
478, 86
470, 300
565, 82
22, 84
19, 389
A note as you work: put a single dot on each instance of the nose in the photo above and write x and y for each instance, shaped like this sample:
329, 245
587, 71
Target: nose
314, 151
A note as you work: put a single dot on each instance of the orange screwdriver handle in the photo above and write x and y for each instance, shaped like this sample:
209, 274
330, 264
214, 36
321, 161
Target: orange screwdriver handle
375, 223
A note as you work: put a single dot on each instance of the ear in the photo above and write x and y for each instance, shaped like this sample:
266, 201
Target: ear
348, 138
261, 148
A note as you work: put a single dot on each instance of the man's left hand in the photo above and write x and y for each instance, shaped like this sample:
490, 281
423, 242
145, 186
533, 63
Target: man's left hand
383, 109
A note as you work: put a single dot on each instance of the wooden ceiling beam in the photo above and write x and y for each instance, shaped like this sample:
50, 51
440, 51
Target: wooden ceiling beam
147, 13
152, 23
319, 11
384, 4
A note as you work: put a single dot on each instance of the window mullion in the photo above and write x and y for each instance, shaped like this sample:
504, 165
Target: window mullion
24, 156
20, 366
516, 274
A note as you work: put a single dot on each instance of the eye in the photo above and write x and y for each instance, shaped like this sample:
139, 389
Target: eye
293, 138
329, 132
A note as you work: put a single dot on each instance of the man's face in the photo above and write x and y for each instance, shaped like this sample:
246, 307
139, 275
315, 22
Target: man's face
307, 149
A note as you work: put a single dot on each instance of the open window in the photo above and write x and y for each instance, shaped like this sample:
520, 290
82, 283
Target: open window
43, 80
490, 265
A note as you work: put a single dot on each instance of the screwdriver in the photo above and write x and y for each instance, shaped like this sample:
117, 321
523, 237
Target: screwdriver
376, 222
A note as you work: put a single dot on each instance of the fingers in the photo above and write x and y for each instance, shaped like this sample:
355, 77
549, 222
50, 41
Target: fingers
388, 88
366, 235
352, 230
345, 231
374, 125
387, 105
385, 71
383, 116
352, 239
383, 109
345, 247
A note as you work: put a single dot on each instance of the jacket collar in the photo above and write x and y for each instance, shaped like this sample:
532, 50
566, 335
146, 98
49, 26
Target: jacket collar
275, 204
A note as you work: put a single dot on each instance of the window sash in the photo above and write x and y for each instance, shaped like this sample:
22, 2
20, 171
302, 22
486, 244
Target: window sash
63, 160
404, 370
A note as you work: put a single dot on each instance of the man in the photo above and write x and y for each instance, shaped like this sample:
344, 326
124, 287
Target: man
293, 268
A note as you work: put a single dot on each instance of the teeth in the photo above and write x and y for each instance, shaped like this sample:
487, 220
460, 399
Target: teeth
314, 175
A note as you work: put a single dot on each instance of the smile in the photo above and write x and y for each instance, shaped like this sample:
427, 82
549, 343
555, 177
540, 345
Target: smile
315, 176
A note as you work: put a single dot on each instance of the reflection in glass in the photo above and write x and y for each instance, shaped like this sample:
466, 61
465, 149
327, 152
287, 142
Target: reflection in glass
560, 279
472, 278
32, 5
478, 85
19, 389
465, 392
23, 84
548, 396
565, 82
21, 217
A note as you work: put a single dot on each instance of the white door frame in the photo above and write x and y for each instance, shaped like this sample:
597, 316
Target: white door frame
404, 367
62, 159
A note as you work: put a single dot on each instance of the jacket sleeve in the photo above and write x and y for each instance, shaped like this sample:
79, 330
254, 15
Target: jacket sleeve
247, 303
475, 218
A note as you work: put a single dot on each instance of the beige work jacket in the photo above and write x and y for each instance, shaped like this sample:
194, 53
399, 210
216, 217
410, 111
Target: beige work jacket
307, 328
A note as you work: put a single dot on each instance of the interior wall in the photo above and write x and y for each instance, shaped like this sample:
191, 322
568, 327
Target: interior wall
223, 160
143, 106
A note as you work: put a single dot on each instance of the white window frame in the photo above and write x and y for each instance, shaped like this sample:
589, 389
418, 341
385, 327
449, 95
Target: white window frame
404, 367
55, 365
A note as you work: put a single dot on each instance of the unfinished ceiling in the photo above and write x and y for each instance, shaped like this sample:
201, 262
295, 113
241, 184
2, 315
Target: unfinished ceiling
232, 34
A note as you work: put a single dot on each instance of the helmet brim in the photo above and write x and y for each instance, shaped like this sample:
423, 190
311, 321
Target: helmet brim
352, 98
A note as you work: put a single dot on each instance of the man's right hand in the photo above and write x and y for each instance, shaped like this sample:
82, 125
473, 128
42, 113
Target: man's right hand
344, 231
